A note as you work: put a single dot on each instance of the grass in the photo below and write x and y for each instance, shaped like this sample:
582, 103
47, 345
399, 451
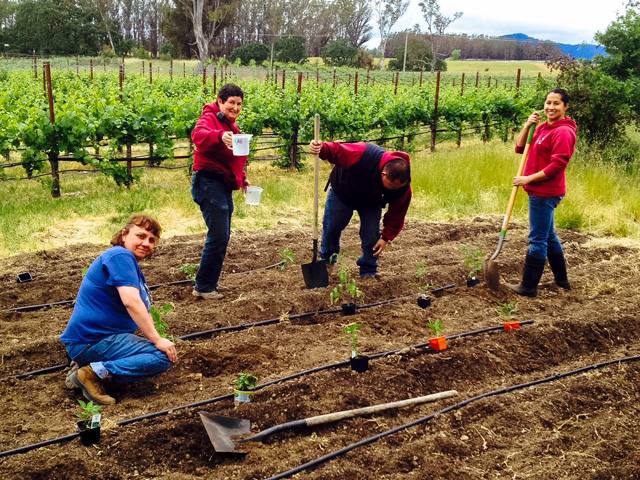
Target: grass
450, 185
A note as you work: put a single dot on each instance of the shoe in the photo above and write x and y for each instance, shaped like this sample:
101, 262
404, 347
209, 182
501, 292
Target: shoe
220, 288
368, 276
70, 380
533, 268
215, 295
559, 268
91, 386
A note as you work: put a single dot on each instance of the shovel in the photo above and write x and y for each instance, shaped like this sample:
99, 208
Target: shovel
220, 429
315, 273
491, 267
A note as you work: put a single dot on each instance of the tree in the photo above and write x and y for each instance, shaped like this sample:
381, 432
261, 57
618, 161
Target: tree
388, 12
418, 58
621, 39
437, 24
353, 21
251, 51
290, 49
340, 53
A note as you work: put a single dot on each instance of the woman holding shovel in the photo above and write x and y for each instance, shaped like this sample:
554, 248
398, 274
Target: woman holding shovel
543, 179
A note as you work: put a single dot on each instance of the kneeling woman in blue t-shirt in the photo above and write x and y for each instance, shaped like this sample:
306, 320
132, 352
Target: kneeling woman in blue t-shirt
113, 302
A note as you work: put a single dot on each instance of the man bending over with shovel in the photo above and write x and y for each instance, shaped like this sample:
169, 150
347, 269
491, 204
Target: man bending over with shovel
365, 178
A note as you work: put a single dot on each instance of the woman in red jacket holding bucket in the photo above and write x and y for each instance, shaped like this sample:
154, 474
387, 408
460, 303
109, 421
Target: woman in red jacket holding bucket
544, 180
217, 173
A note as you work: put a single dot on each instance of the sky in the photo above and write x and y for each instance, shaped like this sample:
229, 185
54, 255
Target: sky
562, 21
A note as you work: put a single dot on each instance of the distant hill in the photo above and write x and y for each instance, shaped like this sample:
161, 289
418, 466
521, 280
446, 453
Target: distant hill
587, 51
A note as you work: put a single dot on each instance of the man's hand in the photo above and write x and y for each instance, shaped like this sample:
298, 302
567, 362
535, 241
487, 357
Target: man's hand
165, 345
315, 147
379, 247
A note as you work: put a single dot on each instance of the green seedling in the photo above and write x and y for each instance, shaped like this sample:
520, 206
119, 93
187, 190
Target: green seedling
246, 382
472, 258
352, 335
436, 328
507, 309
189, 270
89, 409
161, 325
347, 288
286, 255
421, 275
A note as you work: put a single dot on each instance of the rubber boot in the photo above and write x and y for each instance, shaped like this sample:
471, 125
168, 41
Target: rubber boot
533, 268
559, 268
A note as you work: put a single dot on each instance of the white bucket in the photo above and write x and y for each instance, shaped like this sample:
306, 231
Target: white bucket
253, 195
241, 144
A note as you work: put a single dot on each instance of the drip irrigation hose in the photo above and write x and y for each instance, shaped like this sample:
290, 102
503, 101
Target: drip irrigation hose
242, 326
375, 438
151, 287
259, 387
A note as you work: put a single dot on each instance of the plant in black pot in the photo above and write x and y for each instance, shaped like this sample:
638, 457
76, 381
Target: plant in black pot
473, 259
424, 300
346, 291
89, 425
359, 363
245, 386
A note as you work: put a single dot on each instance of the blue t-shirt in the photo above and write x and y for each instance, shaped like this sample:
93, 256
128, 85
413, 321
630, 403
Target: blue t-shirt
99, 311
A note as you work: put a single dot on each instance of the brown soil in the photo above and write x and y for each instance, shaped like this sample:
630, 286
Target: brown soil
577, 427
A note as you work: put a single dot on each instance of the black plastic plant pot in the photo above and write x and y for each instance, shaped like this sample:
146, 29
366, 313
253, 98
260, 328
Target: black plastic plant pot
472, 282
88, 436
348, 309
24, 277
360, 363
424, 302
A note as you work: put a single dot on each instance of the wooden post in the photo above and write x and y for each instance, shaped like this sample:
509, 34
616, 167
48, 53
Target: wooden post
184, 69
215, 80
395, 90
129, 167
421, 72
355, 85
150, 73
489, 82
368, 76
435, 114
334, 76
462, 85
171, 71
284, 72
121, 80
77, 65
53, 155
142, 70
459, 141
518, 79
317, 76
35, 65
91, 68
204, 81
477, 78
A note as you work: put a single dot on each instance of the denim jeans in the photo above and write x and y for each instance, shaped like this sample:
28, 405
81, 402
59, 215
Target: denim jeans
216, 204
543, 240
336, 218
127, 357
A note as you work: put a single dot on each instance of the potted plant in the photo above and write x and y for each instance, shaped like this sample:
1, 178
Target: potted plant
472, 259
359, 363
89, 425
424, 300
346, 291
506, 311
440, 342
245, 386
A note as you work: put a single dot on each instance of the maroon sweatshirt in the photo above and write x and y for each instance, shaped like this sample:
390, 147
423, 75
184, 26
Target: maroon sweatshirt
346, 155
211, 153
551, 149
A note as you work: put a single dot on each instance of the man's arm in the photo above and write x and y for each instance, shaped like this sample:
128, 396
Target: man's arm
130, 297
393, 220
341, 154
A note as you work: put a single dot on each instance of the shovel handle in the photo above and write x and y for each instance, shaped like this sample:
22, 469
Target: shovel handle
316, 138
332, 417
514, 192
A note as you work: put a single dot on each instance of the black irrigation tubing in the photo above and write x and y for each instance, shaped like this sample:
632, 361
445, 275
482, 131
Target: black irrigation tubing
150, 287
233, 328
375, 438
259, 387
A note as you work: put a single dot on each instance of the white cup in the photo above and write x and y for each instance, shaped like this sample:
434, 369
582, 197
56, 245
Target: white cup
253, 195
240, 143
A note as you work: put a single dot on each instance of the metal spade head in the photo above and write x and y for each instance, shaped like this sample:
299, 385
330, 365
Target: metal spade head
220, 430
492, 274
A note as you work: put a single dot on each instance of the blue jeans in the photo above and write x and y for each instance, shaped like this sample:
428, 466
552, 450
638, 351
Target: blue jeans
336, 218
216, 204
127, 357
543, 240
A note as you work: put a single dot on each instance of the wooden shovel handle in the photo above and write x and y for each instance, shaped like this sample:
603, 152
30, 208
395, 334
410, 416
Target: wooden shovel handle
316, 138
514, 192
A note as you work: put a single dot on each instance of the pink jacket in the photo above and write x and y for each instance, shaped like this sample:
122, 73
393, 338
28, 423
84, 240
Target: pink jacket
211, 153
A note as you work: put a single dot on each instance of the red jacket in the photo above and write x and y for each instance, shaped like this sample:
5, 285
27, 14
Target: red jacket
551, 149
211, 153
346, 155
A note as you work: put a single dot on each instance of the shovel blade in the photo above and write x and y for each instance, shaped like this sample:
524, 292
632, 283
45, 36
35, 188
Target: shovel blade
315, 275
220, 430
492, 274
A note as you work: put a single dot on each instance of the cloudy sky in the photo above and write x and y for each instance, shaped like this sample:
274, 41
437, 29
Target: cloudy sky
562, 21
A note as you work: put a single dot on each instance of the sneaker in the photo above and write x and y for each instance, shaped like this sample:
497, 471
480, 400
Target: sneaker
215, 295
370, 276
70, 380
91, 386
220, 288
